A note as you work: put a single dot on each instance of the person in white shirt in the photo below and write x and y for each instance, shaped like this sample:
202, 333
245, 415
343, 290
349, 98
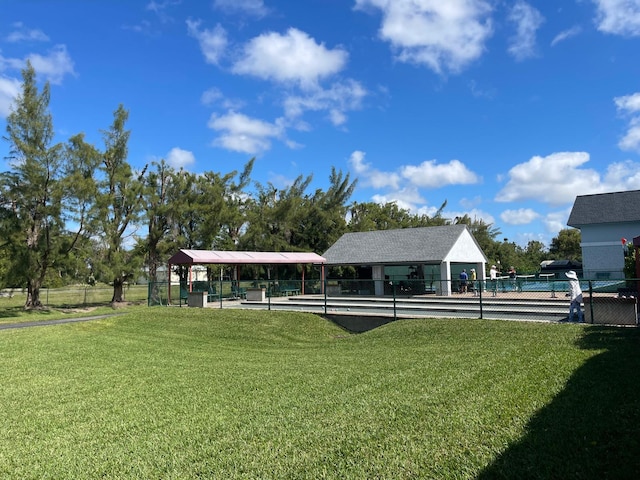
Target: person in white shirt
493, 276
575, 295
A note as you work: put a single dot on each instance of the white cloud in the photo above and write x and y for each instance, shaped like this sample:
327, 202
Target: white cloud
631, 140
443, 35
431, 174
210, 96
9, 90
554, 179
53, 66
23, 34
241, 133
566, 34
255, 8
338, 99
527, 20
291, 58
622, 176
556, 221
179, 158
619, 17
630, 105
161, 8
371, 176
213, 96
407, 199
405, 184
213, 43
521, 216
558, 178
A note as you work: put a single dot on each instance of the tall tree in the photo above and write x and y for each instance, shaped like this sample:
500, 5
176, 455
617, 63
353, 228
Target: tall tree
119, 207
370, 216
161, 216
33, 193
534, 254
237, 201
566, 245
272, 217
322, 218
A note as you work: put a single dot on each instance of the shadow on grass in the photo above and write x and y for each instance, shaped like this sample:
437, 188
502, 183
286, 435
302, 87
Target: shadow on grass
11, 312
591, 430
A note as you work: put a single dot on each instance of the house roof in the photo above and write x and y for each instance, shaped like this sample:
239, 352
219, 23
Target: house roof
205, 257
400, 246
616, 207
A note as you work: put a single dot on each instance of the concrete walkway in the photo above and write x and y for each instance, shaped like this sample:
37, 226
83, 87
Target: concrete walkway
45, 323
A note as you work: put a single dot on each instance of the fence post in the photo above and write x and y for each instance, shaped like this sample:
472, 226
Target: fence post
325, 282
591, 300
395, 314
269, 290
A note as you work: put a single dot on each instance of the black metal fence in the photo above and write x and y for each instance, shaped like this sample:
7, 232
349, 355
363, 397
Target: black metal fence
79, 296
523, 298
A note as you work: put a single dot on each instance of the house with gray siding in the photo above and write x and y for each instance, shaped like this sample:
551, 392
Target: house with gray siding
604, 220
427, 259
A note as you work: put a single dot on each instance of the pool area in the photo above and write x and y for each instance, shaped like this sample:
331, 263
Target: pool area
533, 284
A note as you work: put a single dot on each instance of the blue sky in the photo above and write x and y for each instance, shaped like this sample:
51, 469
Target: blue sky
505, 109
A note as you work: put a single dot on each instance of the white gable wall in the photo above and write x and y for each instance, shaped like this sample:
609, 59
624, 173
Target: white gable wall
464, 250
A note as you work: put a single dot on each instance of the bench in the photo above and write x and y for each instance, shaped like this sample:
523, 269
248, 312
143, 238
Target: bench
627, 292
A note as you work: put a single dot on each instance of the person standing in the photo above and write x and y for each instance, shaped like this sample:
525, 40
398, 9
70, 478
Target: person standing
575, 295
463, 281
493, 277
513, 277
472, 278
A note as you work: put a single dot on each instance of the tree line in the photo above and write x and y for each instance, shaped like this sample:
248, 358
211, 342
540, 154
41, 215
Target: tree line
74, 212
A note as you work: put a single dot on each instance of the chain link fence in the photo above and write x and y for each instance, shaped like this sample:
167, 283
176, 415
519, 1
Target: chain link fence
80, 296
523, 298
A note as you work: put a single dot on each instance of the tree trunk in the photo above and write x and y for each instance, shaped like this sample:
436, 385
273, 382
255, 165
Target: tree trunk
117, 290
154, 293
33, 295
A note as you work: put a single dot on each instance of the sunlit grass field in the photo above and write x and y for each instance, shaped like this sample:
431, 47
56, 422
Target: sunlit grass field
68, 302
208, 393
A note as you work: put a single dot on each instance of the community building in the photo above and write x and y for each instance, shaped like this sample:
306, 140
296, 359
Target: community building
608, 222
422, 260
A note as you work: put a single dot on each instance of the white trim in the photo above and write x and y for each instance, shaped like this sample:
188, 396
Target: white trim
601, 244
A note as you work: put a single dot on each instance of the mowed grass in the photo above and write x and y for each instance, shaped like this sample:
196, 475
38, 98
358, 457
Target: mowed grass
191, 393
71, 302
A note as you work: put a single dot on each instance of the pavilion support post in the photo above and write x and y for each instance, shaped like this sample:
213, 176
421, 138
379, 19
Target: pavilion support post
302, 286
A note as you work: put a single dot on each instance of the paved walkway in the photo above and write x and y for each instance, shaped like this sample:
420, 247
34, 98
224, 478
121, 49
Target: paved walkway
44, 323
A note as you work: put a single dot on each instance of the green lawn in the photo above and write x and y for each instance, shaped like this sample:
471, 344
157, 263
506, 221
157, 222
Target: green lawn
191, 393
68, 302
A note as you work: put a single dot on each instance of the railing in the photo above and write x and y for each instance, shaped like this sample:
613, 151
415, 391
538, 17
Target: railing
524, 298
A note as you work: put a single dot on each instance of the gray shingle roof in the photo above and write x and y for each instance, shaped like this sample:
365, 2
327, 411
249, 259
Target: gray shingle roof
616, 207
407, 245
